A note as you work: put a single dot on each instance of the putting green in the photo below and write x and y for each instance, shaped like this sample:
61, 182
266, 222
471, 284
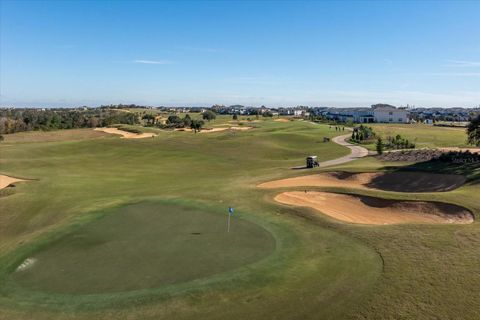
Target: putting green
144, 245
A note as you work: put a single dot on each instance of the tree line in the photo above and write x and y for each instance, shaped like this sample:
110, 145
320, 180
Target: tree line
18, 120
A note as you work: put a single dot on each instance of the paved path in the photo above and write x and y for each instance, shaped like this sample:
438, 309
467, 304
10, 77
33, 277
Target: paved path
356, 152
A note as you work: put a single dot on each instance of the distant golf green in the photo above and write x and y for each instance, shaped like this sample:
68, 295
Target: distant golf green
145, 245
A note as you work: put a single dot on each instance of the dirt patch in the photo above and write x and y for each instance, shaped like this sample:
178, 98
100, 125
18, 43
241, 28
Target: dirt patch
281, 120
126, 134
398, 181
376, 211
5, 181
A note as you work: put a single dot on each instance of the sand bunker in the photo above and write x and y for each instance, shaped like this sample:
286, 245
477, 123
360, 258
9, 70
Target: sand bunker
281, 120
216, 129
376, 211
5, 181
241, 128
397, 181
28, 263
126, 134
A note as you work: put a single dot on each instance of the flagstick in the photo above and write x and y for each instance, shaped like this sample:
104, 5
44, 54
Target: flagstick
228, 223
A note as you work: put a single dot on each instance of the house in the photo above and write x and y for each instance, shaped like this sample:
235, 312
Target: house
389, 114
301, 113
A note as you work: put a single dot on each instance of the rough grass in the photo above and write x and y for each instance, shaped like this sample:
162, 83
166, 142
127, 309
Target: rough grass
424, 136
51, 136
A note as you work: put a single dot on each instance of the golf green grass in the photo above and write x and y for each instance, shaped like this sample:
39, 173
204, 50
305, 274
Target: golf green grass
145, 245
317, 269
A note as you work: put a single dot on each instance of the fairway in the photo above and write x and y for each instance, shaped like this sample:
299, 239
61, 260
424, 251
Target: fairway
144, 245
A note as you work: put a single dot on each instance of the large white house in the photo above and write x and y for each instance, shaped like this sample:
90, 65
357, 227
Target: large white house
377, 113
387, 113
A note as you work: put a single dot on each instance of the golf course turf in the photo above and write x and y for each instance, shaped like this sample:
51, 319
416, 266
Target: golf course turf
144, 245
282, 262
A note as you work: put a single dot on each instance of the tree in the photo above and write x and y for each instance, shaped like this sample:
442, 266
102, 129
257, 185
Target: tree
379, 145
1, 138
473, 131
235, 117
187, 121
149, 117
175, 121
196, 125
209, 115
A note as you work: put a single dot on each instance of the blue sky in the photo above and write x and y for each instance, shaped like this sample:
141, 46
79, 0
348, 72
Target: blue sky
272, 53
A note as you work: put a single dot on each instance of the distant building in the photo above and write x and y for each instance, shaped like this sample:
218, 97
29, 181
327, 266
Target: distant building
377, 113
390, 114
301, 113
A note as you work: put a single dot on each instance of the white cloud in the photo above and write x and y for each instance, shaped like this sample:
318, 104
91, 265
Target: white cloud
153, 61
462, 63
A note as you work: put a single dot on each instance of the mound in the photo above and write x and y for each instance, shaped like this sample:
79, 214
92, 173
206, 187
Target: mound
144, 245
399, 181
5, 181
416, 182
125, 134
376, 211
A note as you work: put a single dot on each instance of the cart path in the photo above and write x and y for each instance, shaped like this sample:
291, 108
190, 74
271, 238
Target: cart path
357, 152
